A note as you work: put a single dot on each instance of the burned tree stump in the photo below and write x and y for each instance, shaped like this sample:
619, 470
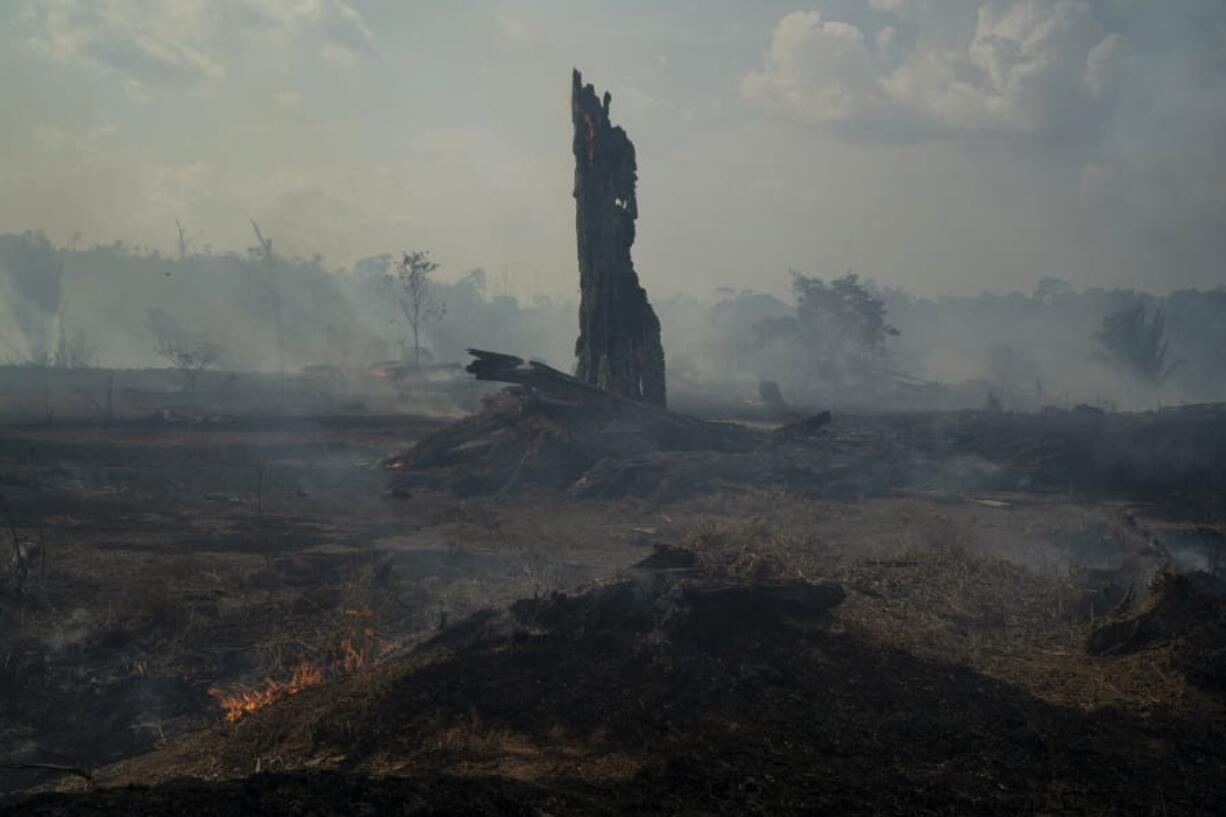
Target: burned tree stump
619, 347
605, 430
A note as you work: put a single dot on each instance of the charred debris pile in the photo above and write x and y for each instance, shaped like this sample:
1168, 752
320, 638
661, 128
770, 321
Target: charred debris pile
551, 431
1185, 615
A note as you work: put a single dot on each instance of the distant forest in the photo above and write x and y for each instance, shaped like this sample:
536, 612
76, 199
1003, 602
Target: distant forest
840, 339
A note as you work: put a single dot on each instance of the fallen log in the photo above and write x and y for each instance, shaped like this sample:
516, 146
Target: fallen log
545, 402
551, 428
802, 429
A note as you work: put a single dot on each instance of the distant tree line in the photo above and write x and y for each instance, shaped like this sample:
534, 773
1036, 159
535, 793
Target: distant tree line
828, 333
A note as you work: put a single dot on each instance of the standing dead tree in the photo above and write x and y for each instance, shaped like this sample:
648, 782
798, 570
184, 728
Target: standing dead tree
619, 347
410, 285
185, 241
73, 349
188, 354
1135, 343
265, 254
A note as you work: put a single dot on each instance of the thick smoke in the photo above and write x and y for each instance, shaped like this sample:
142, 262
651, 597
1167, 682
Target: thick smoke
1022, 350
31, 273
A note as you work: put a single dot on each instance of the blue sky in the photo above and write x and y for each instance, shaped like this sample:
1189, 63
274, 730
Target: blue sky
938, 145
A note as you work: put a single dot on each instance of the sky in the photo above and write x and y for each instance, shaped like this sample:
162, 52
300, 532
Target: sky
942, 146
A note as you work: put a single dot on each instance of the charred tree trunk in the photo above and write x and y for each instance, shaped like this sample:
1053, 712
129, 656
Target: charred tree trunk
619, 346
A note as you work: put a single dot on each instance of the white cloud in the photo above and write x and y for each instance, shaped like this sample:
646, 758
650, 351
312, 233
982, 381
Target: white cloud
817, 71
1116, 110
137, 92
130, 37
338, 55
332, 29
1039, 67
192, 41
1103, 66
512, 27
288, 99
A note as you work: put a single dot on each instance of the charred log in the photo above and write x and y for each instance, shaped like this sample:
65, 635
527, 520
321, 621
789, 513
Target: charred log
803, 429
583, 404
619, 347
550, 428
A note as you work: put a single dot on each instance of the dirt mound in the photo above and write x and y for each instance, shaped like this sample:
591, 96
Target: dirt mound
689, 686
1185, 614
688, 612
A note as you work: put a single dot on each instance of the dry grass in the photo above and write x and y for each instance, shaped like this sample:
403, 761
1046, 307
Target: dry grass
938, 592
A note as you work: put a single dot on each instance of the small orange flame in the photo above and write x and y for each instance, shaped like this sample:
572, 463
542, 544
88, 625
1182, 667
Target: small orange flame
352, 659
242, 701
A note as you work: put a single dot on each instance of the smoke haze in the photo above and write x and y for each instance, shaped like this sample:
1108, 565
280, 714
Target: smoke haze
109, 305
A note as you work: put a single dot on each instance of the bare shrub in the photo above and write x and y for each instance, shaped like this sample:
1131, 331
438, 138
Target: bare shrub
188, 353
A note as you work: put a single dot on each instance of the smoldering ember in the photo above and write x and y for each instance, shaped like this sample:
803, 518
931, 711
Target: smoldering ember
398, 539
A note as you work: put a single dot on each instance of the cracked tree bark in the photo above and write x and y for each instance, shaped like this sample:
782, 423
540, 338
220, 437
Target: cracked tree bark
619, 347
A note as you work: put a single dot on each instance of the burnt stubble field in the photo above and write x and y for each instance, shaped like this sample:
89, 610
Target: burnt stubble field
286, 615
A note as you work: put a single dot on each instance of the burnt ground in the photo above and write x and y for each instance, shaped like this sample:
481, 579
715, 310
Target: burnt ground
174, 557
954, 677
